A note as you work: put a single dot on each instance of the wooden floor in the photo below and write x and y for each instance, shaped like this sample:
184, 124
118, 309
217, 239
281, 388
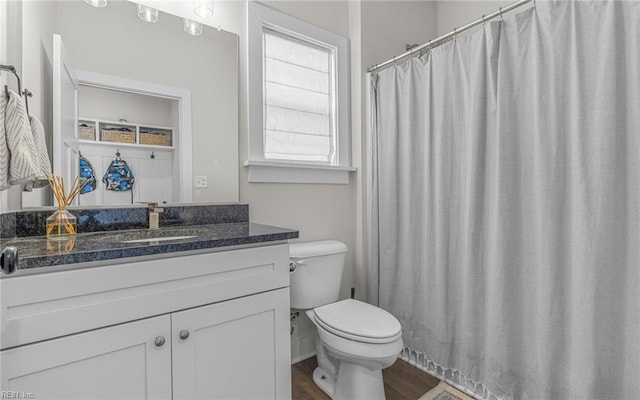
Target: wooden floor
401, 381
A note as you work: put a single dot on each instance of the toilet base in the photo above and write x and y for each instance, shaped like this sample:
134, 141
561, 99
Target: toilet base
323, 381
354, 382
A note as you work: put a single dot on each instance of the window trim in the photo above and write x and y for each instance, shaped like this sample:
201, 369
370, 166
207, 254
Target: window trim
266, 170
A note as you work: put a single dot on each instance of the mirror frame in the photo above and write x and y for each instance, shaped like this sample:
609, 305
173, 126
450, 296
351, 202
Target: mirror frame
183, 96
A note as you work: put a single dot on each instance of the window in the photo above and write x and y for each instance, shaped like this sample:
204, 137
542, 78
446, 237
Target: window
298, 106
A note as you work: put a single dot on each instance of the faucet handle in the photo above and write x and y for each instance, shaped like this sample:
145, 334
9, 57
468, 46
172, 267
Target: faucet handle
153, 207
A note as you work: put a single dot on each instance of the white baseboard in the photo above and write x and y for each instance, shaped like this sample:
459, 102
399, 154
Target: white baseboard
302, 357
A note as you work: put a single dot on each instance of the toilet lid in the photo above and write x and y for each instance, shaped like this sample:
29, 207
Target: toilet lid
358, 321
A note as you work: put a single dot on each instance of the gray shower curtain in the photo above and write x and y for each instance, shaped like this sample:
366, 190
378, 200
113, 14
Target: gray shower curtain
504, 204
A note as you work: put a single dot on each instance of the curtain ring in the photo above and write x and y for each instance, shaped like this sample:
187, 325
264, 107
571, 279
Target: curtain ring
501, 18
484, 22
455, 33
427, 48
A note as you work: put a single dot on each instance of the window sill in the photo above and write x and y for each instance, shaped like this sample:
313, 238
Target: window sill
284, 172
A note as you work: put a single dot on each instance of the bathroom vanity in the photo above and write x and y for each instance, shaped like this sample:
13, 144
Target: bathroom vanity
204, 316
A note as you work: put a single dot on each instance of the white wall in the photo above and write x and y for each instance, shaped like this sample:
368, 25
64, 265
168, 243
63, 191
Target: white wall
113, 105
36, 76
317, 211
377, 30
386, 27
452, 14
11, 42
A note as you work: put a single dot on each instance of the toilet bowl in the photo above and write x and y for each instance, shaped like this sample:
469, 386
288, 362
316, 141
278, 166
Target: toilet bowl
354, 340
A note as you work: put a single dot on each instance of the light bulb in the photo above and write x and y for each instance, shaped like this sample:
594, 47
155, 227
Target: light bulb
192, 27
147, 13
96, 3
203, 8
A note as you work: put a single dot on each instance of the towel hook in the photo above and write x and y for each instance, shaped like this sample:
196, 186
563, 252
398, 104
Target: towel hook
152, 155
27, 93
12, 69
118, 154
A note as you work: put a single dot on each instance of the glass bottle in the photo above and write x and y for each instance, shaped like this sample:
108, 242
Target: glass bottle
61, 224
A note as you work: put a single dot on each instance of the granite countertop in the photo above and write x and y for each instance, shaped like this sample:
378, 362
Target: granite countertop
40, 252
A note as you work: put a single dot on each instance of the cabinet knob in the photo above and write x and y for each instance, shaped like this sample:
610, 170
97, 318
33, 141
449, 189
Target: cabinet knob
159, 342
184, 334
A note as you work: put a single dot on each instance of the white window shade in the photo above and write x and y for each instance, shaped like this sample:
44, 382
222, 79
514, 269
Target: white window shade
299, 100
298, 103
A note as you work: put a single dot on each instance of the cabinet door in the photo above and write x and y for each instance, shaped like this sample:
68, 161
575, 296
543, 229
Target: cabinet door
119, 362
237, 349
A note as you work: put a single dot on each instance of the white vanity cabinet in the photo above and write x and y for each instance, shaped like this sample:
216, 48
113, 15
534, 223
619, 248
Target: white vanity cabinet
199, 326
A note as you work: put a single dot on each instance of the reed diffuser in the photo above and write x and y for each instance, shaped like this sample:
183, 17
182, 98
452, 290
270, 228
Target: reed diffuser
62, 224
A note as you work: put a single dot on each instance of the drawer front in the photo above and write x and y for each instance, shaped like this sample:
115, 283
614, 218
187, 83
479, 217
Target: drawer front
40, 307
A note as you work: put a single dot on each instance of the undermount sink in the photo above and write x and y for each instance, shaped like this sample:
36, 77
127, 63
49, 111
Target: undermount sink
157, 239
148, 236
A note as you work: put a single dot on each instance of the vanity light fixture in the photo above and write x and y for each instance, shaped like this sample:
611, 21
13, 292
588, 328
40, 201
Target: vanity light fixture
96, 3
147, 13
192, 27
203, 8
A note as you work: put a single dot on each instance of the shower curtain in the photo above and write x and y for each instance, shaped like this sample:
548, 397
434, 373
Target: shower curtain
504, 204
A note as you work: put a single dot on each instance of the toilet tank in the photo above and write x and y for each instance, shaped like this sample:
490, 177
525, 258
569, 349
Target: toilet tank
317, 273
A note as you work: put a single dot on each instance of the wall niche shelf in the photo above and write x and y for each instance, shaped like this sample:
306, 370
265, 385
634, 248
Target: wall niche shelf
123, 133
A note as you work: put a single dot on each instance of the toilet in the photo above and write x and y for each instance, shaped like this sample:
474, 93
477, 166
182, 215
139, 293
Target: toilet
354, 340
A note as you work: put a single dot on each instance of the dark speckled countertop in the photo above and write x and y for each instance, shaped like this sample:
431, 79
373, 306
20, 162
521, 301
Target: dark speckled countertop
116, 233
38, 251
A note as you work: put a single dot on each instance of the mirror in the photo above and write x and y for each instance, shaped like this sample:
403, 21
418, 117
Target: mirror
113, 42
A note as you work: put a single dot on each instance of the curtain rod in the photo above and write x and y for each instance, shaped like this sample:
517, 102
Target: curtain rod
431, 43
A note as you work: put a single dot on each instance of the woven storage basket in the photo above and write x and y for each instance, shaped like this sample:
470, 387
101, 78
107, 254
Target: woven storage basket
155, 139
107, 135
86, 133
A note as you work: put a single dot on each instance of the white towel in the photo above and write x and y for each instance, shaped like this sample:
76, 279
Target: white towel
23, 165
4, 150
44, 164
